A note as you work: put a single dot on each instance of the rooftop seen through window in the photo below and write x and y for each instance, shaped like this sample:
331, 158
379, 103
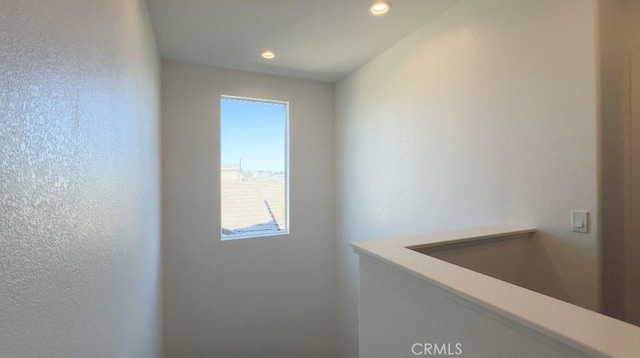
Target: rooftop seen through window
254, 167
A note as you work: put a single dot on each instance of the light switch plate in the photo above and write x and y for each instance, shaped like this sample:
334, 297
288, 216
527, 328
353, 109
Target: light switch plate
580, 221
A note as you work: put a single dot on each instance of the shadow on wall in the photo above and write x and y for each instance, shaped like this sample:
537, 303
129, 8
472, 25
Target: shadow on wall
520, 261
542, 274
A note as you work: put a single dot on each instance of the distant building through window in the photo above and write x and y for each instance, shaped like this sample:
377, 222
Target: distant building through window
254, 168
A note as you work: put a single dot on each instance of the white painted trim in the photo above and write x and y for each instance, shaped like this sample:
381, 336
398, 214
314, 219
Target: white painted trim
585, 330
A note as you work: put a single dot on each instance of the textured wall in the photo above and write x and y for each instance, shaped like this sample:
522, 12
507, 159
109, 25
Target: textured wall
486, 115
262, 297
79, 180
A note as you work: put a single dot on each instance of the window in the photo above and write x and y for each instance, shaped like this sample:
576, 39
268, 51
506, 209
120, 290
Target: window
254, 157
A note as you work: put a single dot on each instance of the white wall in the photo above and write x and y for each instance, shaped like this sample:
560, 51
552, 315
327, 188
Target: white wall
398, 310
263, 297
619, 35
79, 180
487, 115
507, 260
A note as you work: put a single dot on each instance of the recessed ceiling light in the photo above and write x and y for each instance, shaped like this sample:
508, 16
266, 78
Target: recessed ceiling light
268, 55
379, 8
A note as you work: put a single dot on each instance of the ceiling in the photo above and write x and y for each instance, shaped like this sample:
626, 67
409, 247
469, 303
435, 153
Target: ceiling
321, 40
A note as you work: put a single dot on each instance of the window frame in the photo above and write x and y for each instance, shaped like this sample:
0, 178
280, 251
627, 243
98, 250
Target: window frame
287, 180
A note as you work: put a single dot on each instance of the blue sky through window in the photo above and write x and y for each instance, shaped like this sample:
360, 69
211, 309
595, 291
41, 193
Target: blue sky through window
254, 132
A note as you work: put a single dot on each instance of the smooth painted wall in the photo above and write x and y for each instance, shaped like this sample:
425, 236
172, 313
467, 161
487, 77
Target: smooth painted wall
79, 180
519, 261
398, 311
261, 297
619, 32
486, 115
